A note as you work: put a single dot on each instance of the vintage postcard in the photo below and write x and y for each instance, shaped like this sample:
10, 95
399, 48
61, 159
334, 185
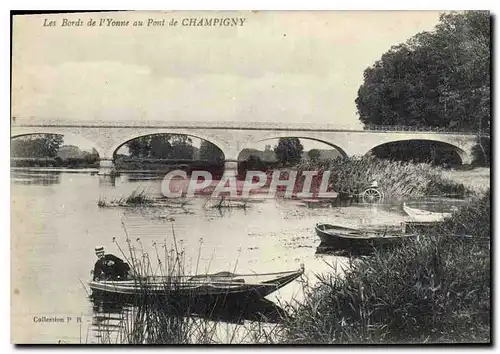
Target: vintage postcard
251, 177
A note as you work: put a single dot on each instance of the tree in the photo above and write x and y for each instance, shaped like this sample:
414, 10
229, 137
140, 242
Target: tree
288, 151
210, 152
140, 147
162, 146
481, 153
254, 163
182, 147
36, 145
435, 79
268, 154
314, 155
418, 151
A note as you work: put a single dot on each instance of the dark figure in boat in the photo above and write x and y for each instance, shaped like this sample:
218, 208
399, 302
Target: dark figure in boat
109, 267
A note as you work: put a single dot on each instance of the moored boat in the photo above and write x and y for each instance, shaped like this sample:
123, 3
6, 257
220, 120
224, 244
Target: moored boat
208, 285
346, 237
425, 215
317, 203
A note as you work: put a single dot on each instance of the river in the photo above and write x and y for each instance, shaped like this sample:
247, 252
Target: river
56, 223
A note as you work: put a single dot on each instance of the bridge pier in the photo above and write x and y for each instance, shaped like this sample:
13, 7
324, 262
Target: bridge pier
106, 167
231, 168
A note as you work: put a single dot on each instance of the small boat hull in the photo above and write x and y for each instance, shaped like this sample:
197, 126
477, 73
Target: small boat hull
208, 286
424, 215
341, 237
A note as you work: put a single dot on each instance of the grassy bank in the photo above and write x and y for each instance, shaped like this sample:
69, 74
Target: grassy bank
435, 289
397, 179
477, 179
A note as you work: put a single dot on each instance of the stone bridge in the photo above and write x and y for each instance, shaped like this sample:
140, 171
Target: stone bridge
233, 137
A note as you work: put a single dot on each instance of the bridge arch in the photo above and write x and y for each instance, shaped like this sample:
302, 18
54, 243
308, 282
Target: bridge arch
461, 153
217, 141
64, 134
299, 136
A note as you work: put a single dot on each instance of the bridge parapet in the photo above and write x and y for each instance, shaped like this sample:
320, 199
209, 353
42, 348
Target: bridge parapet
408, 128
277, 126
34, 122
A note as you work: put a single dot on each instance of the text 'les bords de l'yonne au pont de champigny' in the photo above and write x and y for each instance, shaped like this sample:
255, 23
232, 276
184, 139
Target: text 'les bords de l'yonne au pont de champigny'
149, 22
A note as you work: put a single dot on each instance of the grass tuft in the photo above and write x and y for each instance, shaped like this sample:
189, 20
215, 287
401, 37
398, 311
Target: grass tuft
136, 198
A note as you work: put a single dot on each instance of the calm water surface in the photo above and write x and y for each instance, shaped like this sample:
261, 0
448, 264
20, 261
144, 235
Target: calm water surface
56, 223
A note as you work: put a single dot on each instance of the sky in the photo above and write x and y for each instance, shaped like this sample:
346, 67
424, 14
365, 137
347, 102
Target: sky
279, 66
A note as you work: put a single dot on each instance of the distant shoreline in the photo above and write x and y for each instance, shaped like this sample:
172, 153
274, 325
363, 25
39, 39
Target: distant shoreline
74, 170
55, 169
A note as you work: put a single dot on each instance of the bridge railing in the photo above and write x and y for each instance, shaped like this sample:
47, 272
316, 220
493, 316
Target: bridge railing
408, 128
242, 125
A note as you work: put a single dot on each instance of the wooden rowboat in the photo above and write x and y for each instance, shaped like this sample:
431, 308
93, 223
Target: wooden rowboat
357, 239
342, 237
317, 203
425, 215
209, 285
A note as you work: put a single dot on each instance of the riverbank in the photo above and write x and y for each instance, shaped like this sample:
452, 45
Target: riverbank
433, 290
477, 179
55, 169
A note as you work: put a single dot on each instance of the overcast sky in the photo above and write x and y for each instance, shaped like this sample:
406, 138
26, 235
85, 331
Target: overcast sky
279, 66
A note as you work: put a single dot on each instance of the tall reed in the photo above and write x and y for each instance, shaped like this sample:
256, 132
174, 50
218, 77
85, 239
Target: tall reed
136, 198
397, 179
153, 319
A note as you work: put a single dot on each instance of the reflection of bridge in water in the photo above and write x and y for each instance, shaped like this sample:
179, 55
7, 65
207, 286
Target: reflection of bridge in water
233, 137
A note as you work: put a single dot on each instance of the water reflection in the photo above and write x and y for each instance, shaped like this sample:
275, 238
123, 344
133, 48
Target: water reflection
124, 316
27, 178
108, 181
356, 251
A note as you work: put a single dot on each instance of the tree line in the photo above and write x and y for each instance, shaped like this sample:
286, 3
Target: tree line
435, 79
36, 146
173, 146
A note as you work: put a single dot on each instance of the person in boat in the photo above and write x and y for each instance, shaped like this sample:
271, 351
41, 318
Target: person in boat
109, 267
